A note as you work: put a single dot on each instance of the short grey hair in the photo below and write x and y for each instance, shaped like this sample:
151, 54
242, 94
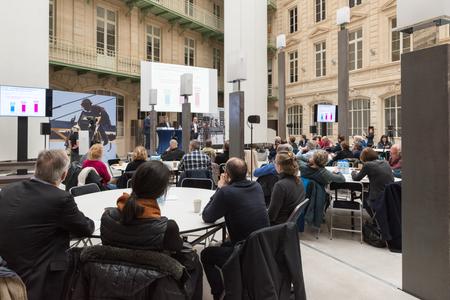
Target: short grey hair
51, 165
285, 147
311, 145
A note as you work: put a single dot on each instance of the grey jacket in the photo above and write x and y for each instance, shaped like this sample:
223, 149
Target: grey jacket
379, 173
321, 175
286, 195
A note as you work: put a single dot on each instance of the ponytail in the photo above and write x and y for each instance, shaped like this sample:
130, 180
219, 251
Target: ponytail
131, 210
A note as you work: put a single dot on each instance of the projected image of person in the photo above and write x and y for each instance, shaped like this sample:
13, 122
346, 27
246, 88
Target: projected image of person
99, 116
195, 129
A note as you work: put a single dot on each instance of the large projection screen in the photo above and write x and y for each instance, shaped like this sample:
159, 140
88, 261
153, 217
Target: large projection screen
411, 12
165, 79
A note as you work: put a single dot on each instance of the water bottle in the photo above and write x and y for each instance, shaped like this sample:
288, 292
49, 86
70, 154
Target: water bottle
339, 166
346, 167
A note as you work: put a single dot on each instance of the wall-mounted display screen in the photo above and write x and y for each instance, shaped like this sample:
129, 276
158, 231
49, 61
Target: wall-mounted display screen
326, 113
25, 102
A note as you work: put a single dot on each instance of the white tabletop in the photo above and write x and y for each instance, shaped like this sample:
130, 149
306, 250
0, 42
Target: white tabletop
172, 165
348, 177
120, 167
178, 206
382, 150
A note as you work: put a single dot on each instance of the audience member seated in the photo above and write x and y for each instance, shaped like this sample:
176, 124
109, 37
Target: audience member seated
338, 147
270, 167
288, 192
359, 139
222, 158
241, 202
37, 219
395, 160
94, 160
139, 157
209, 150
344, 153
384, 143
273, 149
379, 173
293, 144
172, 153
357, 149
326, 143
137, 223
309, 150
302, 142
195, 160
370, 136
315, 169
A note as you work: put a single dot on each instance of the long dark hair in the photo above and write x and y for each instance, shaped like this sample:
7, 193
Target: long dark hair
149, 182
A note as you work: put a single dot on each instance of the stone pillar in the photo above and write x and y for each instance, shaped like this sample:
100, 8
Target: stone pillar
186, 124
343, 83
426, 172
237, 124
282, 94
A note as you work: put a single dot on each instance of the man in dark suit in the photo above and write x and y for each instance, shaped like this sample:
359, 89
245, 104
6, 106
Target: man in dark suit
242, 204
195, 129
164, 122
173, 153
36, 220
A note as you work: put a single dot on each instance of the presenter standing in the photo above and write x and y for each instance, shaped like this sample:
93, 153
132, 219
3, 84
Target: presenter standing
147, 131
195, 128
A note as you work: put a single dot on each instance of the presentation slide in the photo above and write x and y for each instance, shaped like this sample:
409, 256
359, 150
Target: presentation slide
165, 79
22, 102
326, 113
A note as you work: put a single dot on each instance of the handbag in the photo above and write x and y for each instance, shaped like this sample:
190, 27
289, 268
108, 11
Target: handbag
372, 235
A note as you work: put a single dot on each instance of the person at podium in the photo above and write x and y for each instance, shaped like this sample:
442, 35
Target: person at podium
195, 129
164, 122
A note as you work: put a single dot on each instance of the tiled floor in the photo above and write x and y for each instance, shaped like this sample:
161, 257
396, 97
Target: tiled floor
343, 268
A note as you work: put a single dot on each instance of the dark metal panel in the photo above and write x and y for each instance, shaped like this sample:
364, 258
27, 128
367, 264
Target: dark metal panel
236, 131
426, 172
343, 83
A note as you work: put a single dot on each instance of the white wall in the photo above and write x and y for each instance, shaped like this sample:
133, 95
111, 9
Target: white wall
246, 30
23, 62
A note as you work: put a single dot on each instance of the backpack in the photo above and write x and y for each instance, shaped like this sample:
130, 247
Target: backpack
372, 235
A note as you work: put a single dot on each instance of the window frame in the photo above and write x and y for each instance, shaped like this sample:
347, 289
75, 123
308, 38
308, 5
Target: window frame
153, 37
293, 19
359, 110
217, 61
358, 43
295, 117
189, 51
52, 19
321, 58
105, 49
320, 11
395, 111
402, 37
293, 66
353, 3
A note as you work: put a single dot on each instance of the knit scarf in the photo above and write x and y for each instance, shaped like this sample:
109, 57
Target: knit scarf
151, 207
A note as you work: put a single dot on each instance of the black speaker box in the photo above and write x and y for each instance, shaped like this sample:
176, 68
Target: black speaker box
45, 129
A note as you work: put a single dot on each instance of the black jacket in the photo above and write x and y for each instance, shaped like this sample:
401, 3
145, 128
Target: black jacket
267, 183
222, 158
243, 206
388, 210
143, 234
265, 265
172, 155
35, 222
117, 273
132, 166
379, 173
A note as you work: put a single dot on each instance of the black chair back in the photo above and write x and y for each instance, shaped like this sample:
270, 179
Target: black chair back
267, 183
123, 180
199, 183
298, 211
84, 189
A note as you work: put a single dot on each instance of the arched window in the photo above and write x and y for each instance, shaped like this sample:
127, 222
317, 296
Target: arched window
392, 114
359, 116
120, 109
295, 117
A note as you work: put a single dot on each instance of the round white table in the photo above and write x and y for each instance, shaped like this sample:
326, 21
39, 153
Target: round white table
348, 177
178, 206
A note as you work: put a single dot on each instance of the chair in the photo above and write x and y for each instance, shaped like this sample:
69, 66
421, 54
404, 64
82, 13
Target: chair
267, 183
351, 204
123, 180
199, 183
129, 183
84, 189
297, 211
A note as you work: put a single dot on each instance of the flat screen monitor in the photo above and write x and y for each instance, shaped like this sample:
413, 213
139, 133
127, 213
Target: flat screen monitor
25, 102
326, 113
